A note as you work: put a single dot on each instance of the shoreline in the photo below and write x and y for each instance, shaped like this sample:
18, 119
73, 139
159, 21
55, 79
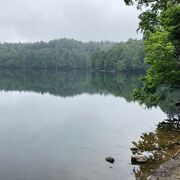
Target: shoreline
169, 170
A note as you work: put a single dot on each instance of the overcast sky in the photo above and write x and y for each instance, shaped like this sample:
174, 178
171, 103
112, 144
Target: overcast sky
36, 20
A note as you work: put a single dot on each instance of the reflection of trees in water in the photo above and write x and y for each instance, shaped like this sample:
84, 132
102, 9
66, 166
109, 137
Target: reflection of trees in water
161, 145
164, 142
172, 123
171, 106
69, 83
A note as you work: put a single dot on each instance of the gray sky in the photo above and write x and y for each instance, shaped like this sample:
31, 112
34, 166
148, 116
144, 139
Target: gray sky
35, 20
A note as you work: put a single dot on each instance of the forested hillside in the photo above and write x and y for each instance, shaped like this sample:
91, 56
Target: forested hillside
128, 56
72, 54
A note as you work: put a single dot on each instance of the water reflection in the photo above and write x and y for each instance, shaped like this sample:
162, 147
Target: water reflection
55, 130
162, 143
161, 146
69, 83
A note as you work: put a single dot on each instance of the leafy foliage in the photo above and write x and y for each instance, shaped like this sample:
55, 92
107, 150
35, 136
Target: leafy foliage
160, 23
71, 54
149, 19
127, 56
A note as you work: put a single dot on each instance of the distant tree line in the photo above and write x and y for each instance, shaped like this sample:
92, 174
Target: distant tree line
72, 54
124, 56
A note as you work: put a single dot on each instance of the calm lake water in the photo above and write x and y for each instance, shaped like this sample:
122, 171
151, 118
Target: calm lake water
62, 125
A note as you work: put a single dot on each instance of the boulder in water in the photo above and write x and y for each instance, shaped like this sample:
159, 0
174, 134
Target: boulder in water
139, 158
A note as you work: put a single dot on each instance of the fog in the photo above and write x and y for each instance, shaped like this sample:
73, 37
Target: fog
36, 20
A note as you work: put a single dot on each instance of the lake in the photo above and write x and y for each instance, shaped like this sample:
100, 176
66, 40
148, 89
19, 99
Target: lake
62, 125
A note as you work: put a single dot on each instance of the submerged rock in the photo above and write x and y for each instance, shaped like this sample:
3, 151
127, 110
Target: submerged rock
157, 147
177, 104
110, 159
134, 150
177, 143
139, 158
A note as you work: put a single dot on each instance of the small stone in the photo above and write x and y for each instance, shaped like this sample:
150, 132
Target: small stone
110, 159
177, 143
139, 158
134, 150
157, 147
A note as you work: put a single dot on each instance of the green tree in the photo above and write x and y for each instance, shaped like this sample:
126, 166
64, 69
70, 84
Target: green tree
160, 24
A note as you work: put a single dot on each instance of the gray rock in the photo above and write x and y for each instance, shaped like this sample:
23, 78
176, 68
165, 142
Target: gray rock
157, 147
168, 171
139, 158
177, 143
110, 159
134, 150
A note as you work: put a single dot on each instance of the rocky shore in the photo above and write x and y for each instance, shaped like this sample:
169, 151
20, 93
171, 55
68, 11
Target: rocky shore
168, 171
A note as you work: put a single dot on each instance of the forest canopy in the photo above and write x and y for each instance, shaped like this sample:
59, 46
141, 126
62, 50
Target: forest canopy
72, 54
